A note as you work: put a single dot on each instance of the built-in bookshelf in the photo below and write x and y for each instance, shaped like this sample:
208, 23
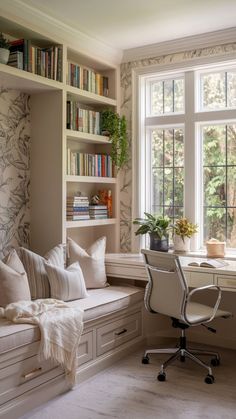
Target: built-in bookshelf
57, 77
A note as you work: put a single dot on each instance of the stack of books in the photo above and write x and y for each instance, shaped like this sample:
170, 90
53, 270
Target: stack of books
84, 164
87, 79
77, 208
98, 212
46, 62
84, 120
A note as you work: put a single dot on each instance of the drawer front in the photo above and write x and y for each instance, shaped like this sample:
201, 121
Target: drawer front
128, 271
25, 375
199, 279
226, 281
85, 350
118, 332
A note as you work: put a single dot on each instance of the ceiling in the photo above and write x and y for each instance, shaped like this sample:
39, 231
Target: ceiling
126, 24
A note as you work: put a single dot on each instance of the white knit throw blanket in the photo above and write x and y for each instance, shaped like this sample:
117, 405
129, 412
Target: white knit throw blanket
61, 327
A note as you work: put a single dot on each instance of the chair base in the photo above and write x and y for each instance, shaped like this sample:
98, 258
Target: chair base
182, 352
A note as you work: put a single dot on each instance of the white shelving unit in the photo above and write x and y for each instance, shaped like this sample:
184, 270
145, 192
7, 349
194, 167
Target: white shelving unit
50, 183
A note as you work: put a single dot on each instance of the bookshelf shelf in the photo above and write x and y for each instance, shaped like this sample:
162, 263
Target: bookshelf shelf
86, 138
88, 97
90, 223
91, 179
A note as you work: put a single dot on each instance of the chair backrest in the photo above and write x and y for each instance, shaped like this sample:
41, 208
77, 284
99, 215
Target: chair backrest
167, 287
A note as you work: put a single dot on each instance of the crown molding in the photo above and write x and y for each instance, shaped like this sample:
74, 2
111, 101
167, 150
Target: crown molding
179, 45
38, 21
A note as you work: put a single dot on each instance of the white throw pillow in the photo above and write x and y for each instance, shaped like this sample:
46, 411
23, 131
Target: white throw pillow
92, 262
13, 280
66, 284
35, 269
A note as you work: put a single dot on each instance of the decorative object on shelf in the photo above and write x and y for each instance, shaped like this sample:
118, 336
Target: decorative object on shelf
114, 126
105, 196
183, 230
158, 228
95, 200
4, 49
215, 248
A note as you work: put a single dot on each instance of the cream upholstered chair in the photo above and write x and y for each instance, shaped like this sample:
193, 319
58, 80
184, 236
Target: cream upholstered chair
167, 293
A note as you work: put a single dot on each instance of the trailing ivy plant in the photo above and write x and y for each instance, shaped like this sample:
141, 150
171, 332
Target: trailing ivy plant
114, 126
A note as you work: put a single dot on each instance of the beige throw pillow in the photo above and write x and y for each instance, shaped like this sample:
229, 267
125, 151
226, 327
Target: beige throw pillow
37, 275
66, 284
92, 262
13, 280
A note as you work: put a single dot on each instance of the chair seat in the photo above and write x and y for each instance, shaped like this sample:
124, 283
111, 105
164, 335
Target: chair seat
197, 312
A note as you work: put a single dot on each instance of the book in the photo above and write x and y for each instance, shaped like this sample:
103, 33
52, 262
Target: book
209, 263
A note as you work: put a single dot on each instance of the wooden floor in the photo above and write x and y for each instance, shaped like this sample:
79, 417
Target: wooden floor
130, 390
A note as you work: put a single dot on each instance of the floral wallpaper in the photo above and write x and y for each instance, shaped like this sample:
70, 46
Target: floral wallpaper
14, 169
126, 109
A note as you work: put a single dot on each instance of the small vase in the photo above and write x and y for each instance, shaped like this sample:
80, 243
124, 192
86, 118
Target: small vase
160, 245
4, 55
181, 244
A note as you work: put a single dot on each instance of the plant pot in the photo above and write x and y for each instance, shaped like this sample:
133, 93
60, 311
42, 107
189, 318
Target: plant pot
160, 245
4, 55
181, 245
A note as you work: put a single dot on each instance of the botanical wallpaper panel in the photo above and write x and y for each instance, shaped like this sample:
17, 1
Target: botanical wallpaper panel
14, 170
126, 109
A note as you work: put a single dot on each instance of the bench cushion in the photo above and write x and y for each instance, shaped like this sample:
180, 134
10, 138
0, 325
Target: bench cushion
99, 303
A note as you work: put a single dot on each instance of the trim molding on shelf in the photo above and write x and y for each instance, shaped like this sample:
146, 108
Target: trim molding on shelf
91, 223
90, 97
86, 137
90, 179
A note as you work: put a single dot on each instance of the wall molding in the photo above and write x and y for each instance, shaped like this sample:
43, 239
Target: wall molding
39, 21
205, 40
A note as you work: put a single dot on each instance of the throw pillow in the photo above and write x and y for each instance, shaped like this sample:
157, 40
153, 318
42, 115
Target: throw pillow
66, 284
92, 262
13, 280
35, 269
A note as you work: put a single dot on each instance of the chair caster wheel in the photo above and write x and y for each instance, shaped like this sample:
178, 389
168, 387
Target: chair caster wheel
182, 358
215, 362
161, 376
209, 379
145, 359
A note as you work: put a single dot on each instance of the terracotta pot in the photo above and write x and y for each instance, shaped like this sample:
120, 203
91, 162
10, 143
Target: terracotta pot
4, 55
181, 245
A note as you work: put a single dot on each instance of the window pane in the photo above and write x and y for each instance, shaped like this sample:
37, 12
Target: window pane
157, 210
179, 148
213, 91
168, 96
157, 98
179, 95
214, 223
157, 187
179, 187
231, 227
168, 186
168, 147
157, 148
231, 190
231, 144
214, 145
178, 212
169, 211
231, 89
214, 186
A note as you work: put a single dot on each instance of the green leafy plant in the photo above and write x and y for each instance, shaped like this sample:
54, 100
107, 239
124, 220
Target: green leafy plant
114, 125
4, 43
153, 224
184, 228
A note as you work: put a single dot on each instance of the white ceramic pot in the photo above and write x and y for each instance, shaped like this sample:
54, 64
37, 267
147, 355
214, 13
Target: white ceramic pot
4, 55
181, 245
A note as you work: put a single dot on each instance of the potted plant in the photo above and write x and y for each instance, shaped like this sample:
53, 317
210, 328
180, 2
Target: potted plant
114, 126
183, 231
4, 49
158, 228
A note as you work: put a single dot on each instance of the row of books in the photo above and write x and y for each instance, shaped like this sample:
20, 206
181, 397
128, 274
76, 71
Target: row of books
77, 208
85, 164
98, 212
87, 79
46, 62
84, 120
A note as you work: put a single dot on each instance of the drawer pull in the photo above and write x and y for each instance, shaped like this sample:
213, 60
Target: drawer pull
32, 373
121, 332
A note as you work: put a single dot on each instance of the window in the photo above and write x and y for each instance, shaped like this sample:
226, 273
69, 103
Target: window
189, 145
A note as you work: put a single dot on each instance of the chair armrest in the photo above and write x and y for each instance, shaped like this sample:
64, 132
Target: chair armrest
207, 287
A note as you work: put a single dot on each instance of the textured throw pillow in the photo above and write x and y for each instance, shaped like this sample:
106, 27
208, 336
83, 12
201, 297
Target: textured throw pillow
66, 284
92, 262
13, 280
35, 269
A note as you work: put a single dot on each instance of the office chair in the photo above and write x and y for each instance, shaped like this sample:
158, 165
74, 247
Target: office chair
167, 293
